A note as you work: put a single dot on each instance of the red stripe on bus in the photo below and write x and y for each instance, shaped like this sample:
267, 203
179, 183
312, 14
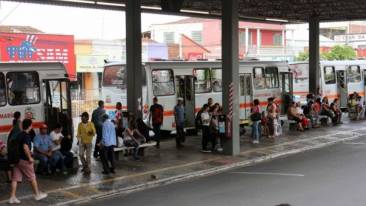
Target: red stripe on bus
7, 128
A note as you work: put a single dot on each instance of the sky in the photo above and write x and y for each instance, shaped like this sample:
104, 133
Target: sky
80, 22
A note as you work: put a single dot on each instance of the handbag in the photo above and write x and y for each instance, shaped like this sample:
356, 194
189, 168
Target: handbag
255, 117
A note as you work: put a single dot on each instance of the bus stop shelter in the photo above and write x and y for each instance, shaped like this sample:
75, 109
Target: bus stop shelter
230, 12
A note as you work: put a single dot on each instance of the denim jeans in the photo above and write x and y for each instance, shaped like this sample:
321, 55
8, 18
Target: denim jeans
256, 130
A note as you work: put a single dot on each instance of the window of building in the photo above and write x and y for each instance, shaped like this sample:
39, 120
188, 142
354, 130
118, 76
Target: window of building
216, 78
2, 90
23, 88
169, 37
163, 82
272, 79
202, 81
259, 79
354, 74
329, 75
277, 39
197, 36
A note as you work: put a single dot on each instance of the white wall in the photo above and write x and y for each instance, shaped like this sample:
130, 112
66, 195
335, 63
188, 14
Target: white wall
157, 31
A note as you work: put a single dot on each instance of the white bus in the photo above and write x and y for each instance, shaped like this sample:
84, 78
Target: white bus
195, 82
39, 91
338, 79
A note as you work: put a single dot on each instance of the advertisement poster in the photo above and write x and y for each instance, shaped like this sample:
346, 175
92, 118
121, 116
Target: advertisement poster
19, 47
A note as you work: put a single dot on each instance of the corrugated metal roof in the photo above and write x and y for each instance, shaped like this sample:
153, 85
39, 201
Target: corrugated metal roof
293, 10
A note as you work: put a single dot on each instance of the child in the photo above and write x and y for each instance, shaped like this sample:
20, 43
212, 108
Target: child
264, 123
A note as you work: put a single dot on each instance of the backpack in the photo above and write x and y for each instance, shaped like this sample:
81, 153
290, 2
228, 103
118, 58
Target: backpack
14, 150
198, 120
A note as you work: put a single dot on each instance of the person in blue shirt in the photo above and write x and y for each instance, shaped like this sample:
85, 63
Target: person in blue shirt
43, 152
107, 145
179, 115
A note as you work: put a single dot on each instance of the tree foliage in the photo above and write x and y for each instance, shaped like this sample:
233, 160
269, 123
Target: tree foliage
338, 52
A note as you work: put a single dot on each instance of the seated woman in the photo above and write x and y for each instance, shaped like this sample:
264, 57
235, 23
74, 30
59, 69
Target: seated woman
337, 111
292, 114
325, 110
133, 138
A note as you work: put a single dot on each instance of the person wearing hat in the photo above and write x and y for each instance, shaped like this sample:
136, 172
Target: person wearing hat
86, 132
48, 159
107, 145
179, 122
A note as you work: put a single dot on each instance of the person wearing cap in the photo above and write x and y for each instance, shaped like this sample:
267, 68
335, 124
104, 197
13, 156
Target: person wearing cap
86, 132
179, 122
107, 145
48, 159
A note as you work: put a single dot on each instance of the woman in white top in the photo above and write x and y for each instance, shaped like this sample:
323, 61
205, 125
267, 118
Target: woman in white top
206, 119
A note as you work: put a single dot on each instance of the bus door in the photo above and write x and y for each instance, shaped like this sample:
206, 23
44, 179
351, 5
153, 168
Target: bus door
342, 89
58, 105
287, 90
186, 91
246, 95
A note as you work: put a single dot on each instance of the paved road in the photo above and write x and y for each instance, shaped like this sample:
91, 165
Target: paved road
333, 176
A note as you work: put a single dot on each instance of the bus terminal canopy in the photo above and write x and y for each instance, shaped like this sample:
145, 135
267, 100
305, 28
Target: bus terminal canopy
264, 10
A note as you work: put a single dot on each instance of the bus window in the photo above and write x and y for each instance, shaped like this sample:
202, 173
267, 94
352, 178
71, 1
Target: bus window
216, 77
163, 82
354, 74
329, 75
202, 81
259, 80
2, 90
272, 77
114, 76
23, 88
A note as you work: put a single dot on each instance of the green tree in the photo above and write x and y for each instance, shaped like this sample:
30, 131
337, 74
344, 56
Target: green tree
340, 52
303, 56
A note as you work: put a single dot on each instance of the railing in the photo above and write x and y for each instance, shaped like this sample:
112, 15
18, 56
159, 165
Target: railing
84, 101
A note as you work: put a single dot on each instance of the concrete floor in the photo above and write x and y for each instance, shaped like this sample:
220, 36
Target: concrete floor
329, 176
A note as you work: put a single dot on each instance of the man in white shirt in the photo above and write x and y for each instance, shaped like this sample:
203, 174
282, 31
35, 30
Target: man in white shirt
56, 137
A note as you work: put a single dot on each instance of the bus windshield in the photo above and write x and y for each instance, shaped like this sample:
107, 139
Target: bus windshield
114, 76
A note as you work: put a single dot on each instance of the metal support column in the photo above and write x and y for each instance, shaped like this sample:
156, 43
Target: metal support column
230, 77
314, 73
134, 57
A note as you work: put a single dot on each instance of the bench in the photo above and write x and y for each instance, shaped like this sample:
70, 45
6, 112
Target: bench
323, 119
292, 125
121, 151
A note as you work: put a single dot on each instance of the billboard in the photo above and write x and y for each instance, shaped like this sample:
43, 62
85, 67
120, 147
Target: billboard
19, 47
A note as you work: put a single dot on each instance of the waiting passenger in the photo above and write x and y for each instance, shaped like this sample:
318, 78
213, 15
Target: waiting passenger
56, 137
206, 137
133, 138
256, 117
214, 127
43, 152
326, 109
86, 132
292, 114
334, 106
272, 112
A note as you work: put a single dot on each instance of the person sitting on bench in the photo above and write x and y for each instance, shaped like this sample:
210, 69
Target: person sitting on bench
133, 138
292, 114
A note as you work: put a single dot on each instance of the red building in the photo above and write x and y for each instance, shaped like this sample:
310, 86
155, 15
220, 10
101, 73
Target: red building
256, 40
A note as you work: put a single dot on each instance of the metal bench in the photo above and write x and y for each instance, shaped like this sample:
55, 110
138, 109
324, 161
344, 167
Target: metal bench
121, 151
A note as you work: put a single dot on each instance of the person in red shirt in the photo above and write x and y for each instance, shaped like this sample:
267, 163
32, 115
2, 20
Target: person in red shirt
157, 117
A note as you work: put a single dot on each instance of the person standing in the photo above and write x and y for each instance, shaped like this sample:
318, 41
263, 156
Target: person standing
98, 123
157, 116
107, 145
206, 119
179, 122
256, 117
24, 165
85, 134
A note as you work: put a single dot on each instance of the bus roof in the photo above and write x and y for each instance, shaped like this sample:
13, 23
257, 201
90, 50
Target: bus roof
198, 62
32, 66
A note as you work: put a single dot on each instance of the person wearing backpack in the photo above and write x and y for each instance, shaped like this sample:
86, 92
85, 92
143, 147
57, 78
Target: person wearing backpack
157, 117
21, 158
